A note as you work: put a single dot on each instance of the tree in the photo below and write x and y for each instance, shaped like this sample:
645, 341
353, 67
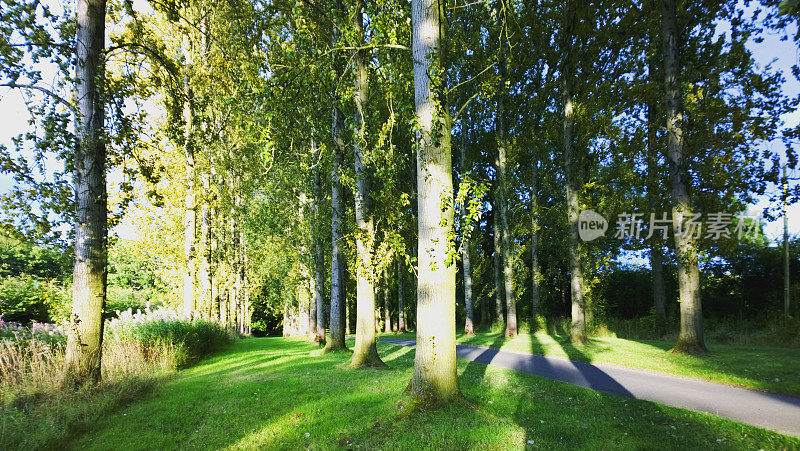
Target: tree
578, 329
434, 380
690, 339
366, 351
85, 341
502, 173
466, 243
190, 207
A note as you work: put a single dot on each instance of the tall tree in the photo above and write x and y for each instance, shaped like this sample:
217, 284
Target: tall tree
654, 197
501, 132
690, 339
536, 272
190, 206
434, 380
85, 341
578, 329
466, 246
366, 351
318, 249
497, 262
401, 308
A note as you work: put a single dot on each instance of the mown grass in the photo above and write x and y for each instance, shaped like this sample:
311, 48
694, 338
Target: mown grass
277, 393
763, 368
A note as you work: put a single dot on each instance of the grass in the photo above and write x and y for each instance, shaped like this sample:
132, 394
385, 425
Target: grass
36, 412
762, 368
277, 393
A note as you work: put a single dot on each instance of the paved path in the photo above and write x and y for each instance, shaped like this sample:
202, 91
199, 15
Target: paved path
777, 412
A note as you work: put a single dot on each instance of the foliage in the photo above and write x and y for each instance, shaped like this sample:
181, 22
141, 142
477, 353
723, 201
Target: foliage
25, 299
20, 256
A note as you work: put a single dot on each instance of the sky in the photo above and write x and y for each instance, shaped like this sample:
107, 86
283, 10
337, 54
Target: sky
782, 54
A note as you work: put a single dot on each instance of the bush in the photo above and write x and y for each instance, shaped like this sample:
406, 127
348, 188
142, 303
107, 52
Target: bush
24, 299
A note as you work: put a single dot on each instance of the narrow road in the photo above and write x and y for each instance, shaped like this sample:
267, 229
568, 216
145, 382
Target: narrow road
776, 412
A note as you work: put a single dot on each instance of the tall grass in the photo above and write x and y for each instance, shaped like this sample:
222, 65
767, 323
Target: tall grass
138, 348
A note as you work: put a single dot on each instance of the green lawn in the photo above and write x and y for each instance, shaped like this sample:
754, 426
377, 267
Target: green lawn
770, 369
277, 393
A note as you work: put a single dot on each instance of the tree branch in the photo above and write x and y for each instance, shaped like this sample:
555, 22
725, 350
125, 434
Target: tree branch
46, 91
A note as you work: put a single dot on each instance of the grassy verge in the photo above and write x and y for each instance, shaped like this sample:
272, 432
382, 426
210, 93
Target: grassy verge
762, 368
49, 420
36, 412
279, 393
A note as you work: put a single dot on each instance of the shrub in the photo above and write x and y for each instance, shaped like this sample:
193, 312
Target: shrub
189, 340
24, 299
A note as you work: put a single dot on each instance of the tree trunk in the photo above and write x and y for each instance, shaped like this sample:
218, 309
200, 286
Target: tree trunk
499, 286
434, 380
654, 194
365, 352
339, 324
387, 311
469, 323
85, 341
787, 298
690, 339
319, 256
205, 246
401, 311
578, 329
190, 207
347, 330
502, 180
217, 230
536, 272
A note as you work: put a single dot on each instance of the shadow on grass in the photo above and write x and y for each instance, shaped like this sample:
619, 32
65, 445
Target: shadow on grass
277, 396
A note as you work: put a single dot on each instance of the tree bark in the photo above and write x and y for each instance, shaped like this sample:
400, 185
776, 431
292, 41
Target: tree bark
466, 246
499, 286
366, 351
787, 298
578, 329
434, 380
319, 256
387, 311
85, 340
502, 180
205, 246
190, 207
656, 247
690, 339
401, 309
338, 309
536, 272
